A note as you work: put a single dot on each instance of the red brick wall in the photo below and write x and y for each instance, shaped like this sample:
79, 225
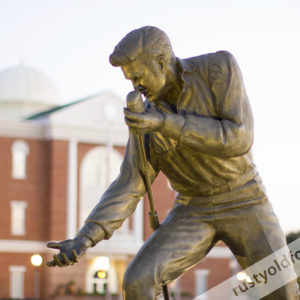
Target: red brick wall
62, 276
163, 201
58, 189
19, 259
50, 278
34, 189
219, 271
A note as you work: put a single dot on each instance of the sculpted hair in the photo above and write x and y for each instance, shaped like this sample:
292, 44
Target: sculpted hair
148, 40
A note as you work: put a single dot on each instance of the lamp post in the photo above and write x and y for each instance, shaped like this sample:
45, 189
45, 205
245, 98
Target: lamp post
36, 261
110, 116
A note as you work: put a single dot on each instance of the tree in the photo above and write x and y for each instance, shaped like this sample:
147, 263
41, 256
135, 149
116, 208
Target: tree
292, 236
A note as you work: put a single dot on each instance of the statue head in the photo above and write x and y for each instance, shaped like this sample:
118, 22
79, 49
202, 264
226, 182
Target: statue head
146, 58
145, 42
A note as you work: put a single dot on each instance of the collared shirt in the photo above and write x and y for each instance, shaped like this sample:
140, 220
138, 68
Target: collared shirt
203, 149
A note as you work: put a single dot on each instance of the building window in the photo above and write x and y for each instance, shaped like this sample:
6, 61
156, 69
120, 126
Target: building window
97, 172
18, 217
19, 152
201, 282
101, 276
16, 285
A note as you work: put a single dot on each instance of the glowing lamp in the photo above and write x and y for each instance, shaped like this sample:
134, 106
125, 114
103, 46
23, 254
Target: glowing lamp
36, 260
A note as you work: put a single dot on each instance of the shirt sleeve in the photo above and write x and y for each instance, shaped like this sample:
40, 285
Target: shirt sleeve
228, 134
120, 199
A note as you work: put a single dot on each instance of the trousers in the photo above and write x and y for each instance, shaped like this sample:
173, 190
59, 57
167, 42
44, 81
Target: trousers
243, 218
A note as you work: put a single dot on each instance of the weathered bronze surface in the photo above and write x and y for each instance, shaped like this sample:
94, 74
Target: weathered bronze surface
198, 130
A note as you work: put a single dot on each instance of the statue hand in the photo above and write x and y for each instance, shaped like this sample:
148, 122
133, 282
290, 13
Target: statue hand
70, 251
143, 123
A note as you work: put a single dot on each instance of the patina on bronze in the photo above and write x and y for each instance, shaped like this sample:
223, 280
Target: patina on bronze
135, 104
198, 129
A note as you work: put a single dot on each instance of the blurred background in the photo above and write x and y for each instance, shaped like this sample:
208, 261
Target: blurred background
62, 135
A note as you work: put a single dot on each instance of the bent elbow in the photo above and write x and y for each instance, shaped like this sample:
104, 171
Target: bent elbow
241, 146
248, 144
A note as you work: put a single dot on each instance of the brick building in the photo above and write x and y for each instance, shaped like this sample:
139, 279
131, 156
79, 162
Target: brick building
56, 161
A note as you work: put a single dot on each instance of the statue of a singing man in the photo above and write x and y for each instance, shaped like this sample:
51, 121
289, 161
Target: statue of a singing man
198, 130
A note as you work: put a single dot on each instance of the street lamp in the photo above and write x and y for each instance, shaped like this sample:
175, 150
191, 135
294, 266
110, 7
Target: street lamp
102, 263
242, 276
36, 261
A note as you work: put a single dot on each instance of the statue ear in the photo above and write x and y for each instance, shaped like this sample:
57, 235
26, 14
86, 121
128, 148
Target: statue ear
161, 60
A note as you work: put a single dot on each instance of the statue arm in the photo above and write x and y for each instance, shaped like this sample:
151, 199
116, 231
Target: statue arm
120, 199
228, 134
118, 203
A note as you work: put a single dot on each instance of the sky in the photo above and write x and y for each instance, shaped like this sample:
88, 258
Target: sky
70, 41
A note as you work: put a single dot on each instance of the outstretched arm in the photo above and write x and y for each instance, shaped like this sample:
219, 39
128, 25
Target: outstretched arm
118, 203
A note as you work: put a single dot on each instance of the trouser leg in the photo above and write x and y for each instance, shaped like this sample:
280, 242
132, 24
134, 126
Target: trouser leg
254, 233
181, 241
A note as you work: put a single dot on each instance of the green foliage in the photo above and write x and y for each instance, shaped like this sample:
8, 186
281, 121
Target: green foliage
292, 236
182, 294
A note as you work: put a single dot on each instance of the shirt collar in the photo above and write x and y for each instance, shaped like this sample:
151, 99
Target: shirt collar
185, 65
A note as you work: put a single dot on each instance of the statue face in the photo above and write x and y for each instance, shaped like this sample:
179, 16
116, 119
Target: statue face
147, 76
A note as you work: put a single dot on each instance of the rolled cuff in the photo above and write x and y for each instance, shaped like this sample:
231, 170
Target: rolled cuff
93, 231
173, 125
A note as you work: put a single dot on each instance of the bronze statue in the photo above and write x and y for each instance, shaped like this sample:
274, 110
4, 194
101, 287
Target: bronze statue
198, 130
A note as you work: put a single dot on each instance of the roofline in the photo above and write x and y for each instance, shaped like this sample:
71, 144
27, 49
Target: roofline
57, 108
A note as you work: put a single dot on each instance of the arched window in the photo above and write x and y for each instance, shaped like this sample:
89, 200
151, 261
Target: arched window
101, 276
19, 150
96, 173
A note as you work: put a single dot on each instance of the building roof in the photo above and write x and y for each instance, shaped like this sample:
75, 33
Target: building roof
48, 112
26, 84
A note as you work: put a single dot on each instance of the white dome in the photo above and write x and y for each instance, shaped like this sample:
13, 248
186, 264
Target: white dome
25, 84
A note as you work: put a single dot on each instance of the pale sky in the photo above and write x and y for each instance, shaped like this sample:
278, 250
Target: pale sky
70, 41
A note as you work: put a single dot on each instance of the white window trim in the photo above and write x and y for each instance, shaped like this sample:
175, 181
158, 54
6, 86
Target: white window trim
72, 189
201, 274
23, 246
19, 145
23, 205
13, 270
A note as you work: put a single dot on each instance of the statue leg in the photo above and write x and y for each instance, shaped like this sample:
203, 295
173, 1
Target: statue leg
181, 241
252, 232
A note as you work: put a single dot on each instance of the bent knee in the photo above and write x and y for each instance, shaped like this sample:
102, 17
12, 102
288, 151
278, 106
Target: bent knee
133, 278
140, 281
136, 285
